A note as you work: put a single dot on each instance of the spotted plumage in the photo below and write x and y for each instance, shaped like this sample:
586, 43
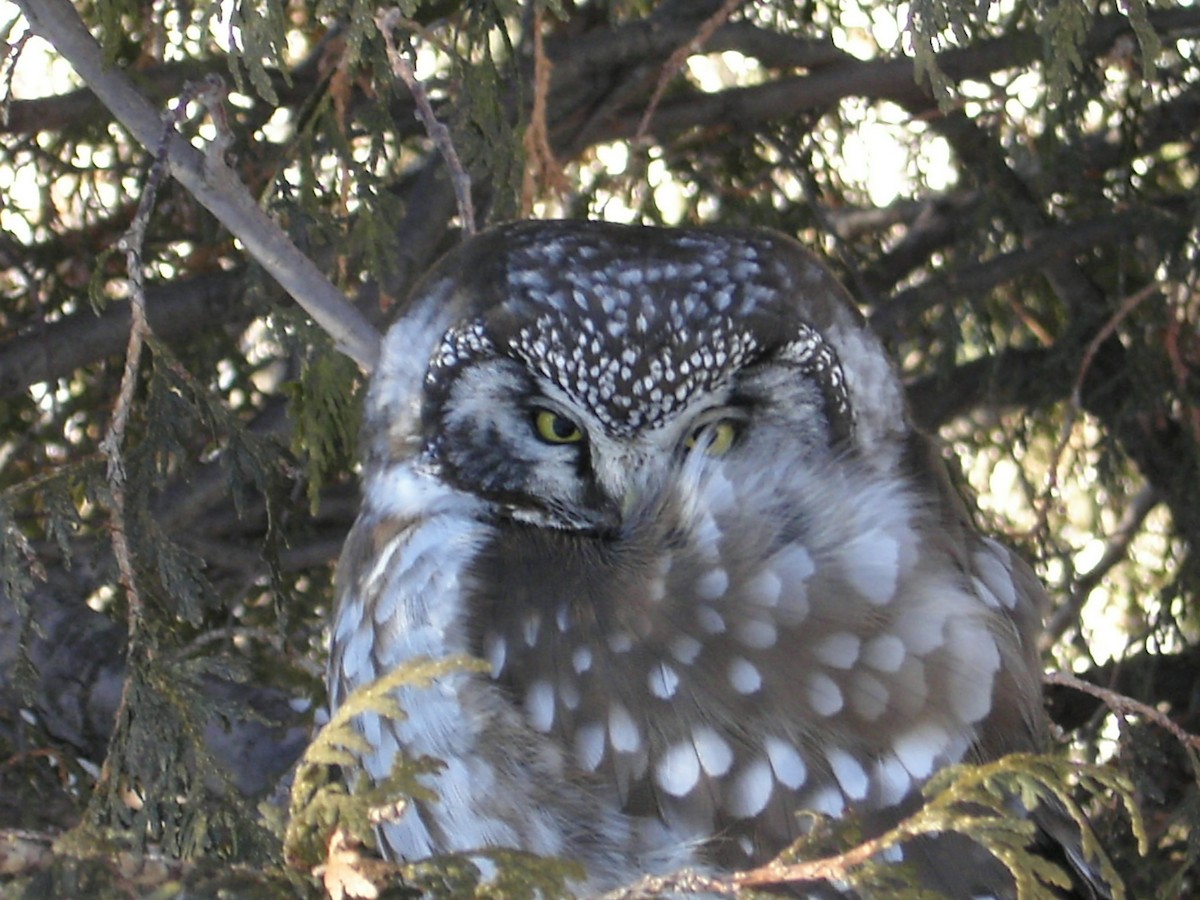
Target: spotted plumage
663, 483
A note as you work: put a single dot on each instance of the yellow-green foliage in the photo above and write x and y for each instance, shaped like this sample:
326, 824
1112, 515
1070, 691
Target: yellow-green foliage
987, 803
322, 802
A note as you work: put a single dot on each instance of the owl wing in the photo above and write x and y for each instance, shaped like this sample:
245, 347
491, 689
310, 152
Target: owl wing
1017, 722
400, 588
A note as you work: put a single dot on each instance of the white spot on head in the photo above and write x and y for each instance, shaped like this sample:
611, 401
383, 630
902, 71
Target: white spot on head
539, 705
786, 762
663, 681
714, 751
678, 769
623, 730
750, 790
824, 695
743, 676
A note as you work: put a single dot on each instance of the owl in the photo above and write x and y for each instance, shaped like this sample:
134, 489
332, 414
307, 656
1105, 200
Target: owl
663, 482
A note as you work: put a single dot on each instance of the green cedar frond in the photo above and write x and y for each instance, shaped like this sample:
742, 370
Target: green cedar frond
516, 875
325, 415
988, 803
320, 802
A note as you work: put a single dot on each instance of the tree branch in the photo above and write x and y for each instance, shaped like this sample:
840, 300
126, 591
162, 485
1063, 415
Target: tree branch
213, 183
175, 310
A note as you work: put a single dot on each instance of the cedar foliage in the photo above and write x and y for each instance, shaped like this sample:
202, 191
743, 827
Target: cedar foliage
1032, 263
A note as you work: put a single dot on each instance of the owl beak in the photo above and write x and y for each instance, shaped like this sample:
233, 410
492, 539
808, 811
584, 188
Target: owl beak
625, 482
631, 501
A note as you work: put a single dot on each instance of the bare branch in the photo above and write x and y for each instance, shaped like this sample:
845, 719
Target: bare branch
212, 183
672, 66
540, 163
438, 132
1123, 706
1067, 614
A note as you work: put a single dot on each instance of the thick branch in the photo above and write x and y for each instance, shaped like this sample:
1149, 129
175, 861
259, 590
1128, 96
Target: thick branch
176, 310
1015, 378
213, 184
833, 76
893, 318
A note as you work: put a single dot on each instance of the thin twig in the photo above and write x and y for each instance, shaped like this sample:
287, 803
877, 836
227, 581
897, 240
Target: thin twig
1123, 705
829, 868
677, 59
1075, 401
112, 446
438, 132
1131, 522
113, 443
8, 70
540, 162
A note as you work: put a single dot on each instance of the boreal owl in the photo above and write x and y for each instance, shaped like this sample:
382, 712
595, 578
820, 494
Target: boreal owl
664, 482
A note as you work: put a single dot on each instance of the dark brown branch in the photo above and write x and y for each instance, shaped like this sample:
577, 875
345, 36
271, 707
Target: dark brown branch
177, 310
1053, 245
387, 22
1151, 678
835, 79
1014, 378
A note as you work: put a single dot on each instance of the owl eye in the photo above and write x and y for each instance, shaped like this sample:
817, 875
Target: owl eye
713, 438
556, 429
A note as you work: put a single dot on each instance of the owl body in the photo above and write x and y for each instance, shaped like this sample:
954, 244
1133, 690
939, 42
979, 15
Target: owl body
663, 482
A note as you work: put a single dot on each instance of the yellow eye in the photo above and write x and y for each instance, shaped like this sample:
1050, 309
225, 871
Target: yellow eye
713, 439
555, 429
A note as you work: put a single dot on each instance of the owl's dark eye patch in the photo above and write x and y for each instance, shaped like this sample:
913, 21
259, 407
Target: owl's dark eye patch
555, 428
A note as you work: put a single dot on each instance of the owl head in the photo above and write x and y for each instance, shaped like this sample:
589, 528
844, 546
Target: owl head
563, 370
